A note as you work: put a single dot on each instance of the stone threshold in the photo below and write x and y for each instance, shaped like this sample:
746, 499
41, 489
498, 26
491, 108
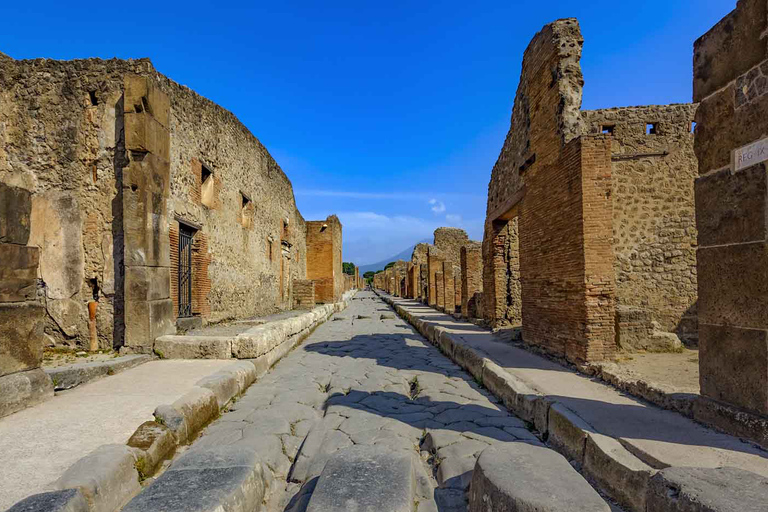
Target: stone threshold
620, 444
108, 478
71, 376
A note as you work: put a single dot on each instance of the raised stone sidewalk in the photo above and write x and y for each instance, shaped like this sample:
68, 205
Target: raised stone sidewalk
619, 442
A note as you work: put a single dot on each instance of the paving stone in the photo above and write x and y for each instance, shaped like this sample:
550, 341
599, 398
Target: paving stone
456, 472
521, 476
365, 479
683, 489
463, 448
68, 500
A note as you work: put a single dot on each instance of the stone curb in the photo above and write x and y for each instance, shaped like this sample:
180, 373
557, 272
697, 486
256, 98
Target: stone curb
68, 377
108, 477
617, 472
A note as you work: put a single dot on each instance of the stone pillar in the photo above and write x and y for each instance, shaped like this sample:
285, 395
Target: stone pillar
449, 288
424, 282
146, 188
22, 315
471, 278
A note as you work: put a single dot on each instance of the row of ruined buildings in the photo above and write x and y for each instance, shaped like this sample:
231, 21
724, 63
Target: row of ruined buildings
635, 228
132, 207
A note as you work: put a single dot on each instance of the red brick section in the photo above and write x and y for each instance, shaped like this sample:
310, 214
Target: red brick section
174, 239
201, 282
324, 259
471, 278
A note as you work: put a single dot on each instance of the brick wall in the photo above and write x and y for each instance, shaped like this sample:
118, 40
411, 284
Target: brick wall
303, 294
449, 287
324, 259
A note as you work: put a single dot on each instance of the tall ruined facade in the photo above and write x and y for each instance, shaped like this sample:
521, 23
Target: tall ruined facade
590, 237
556, 182
324, 265
149, 205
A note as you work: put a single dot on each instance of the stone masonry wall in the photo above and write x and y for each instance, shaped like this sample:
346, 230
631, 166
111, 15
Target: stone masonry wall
471, 279
731, 84
654, 227
62, 138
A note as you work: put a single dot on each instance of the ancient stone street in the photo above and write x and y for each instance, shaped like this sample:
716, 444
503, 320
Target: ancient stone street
364, 379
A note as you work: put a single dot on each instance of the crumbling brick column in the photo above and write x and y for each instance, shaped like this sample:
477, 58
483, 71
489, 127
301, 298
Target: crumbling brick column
471, 278
434, 265
439, 291
449, 288
324, 265
146, 188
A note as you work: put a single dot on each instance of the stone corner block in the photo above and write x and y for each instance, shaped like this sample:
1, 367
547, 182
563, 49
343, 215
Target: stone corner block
156, 442
193, 347
190, 413
567, 432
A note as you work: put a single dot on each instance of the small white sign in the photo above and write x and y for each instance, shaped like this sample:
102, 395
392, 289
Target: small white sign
750, 154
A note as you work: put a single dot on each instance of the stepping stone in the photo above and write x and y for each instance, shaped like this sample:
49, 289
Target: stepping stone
219, 478
707, 490
521, 477
365, 479
68, 500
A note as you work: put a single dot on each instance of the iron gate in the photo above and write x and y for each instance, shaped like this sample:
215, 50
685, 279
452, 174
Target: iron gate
185, 271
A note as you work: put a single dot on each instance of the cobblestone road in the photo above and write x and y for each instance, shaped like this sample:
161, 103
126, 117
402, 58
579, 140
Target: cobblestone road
366, 378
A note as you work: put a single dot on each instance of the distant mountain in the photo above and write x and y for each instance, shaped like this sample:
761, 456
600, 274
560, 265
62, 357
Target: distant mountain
405, 255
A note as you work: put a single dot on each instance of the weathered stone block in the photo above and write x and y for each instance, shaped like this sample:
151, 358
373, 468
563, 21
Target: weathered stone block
57, 228
21, 336
23, 389
733, 286
733, 365
146, 321
143, 95
684, 489
520, 476
145, 210
147, 283
193, 347
15, 210
18, 272
732, 207
156, 442
145, 134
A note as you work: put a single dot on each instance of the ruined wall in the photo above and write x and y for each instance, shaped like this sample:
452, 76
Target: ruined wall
435, 260
324, 258
731, 84
449, 287
557, 182
654, 227
63, 138
303, 294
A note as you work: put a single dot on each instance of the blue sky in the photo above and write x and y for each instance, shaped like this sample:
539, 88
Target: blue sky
389, 114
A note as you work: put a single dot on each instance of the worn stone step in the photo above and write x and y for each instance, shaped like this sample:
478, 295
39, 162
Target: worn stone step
219, 478
365, 479
520, 476
707, 490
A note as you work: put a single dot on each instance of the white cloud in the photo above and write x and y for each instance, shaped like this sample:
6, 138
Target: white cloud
437, 206
453, 219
